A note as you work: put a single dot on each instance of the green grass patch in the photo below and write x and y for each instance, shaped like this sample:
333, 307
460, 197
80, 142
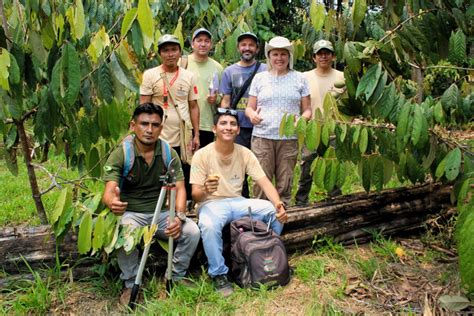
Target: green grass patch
310, 269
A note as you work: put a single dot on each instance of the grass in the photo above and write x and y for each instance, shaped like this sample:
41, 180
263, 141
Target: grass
319, 284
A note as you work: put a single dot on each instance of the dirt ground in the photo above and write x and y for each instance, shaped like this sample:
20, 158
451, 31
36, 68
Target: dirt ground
410, 285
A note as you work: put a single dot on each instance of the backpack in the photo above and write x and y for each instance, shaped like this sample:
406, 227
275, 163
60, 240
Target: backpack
129, 155
258, 255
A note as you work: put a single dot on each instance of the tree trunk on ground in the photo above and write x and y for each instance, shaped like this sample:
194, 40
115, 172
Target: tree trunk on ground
346, 219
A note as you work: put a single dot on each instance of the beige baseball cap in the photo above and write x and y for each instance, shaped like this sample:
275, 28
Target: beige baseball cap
322, 44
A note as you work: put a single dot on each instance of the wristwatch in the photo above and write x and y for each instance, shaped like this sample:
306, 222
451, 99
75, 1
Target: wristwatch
181, 216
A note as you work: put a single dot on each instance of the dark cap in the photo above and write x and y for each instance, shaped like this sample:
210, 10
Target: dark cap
247, 35
201, 30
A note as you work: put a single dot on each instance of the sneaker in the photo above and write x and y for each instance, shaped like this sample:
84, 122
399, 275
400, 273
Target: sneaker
222, 285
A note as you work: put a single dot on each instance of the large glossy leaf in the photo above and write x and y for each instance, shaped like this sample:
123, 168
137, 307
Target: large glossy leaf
98, 43
325, 134
363, 140
365, 171
351, 57
359, 8
313, 135
99, 228
10, 159
453, 164
449, 99
85, 233
14, 71
317, 14
79, 20
127, 22
457, 47
379, 89
403, 126
70, 66
290, 126
105, 85
369, 81
121, 74
417, 124
385, 104
145, 19
281, 130
319, 171
330, 175
37, 48
63, 202
378, 173
4, 65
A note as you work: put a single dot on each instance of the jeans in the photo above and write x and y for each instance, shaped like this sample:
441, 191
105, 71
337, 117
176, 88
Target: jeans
215, 214
186, 244
244, 138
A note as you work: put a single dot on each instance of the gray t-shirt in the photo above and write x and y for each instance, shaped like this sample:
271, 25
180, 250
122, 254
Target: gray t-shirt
233, 78
277, 95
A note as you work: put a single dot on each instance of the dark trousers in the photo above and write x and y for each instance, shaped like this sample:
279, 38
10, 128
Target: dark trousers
244, 138
205, 138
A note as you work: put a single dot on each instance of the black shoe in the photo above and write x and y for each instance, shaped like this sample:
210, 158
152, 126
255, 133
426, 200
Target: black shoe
222, 285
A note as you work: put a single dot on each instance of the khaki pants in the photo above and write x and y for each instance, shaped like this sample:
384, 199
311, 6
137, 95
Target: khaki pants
278, 159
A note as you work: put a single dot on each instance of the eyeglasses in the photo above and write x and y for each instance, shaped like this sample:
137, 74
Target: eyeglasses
227, 111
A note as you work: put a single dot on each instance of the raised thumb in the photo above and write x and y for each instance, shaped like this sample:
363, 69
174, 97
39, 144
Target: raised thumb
117, 191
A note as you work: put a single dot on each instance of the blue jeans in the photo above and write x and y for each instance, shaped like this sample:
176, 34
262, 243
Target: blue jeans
186, 244
215, 214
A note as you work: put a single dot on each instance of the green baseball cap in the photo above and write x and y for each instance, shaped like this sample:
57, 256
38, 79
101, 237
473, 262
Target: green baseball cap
168, 38
322, 44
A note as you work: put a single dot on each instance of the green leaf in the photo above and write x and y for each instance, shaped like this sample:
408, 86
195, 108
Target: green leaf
72, 69
121, 74
417, 124
301, 131
454, 303
402, 126
98, 239
37, 48
4, 65
281, 130
164, 244
85, 232
63, 202
363, 140
449, 99
127, 22
342, 128
379, 89
114, 237
10, 159
358, 10
319, 171
317, 14
14, 70
313, 135
440, 169
369, 81
351, 57
66, 217
105, 85
79, 20
145, 20
330, 174
453, 163
341, 174
438, 113
457, 48
355, 134
378, 173
290, 126
325, 134
385, 104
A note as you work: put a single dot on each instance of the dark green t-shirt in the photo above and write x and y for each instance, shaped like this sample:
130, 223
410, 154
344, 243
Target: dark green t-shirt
142, 186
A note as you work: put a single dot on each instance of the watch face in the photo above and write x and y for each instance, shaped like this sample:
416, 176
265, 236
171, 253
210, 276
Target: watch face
181, 216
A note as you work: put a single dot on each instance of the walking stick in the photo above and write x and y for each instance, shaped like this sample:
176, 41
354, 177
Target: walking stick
168, 182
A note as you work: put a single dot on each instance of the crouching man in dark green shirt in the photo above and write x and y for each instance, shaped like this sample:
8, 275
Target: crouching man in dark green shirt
135, 202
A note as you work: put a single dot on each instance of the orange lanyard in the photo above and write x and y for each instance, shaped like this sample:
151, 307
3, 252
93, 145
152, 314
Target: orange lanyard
165, 89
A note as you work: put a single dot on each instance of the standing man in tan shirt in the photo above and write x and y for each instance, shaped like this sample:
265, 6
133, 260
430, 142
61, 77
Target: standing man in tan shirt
175, 89
321, 80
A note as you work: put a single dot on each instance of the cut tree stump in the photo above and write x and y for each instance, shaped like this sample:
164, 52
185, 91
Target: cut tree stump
347, 219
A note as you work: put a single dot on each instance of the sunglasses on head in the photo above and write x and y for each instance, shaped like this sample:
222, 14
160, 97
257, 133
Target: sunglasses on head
227, 111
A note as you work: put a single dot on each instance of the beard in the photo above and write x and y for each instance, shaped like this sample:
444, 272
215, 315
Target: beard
247, 56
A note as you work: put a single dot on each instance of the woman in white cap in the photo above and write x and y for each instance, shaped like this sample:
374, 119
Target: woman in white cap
273, 93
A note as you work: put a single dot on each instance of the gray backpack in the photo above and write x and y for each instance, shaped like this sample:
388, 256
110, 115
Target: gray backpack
258, 255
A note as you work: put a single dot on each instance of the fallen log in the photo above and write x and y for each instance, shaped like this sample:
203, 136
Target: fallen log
347, 219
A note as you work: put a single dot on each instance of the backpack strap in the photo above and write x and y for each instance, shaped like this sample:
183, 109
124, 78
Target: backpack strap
165, 152
128, 157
